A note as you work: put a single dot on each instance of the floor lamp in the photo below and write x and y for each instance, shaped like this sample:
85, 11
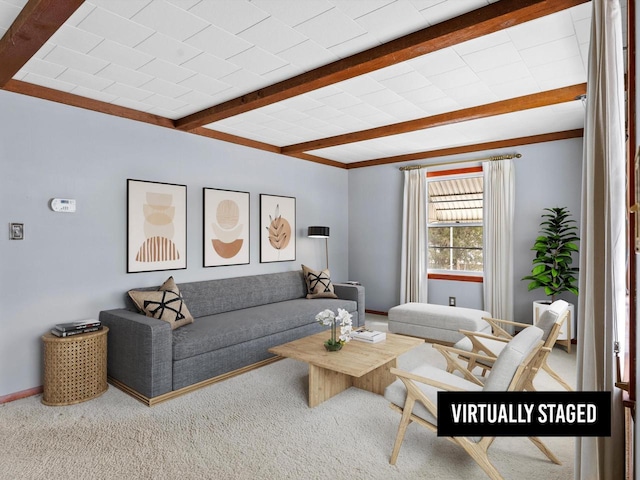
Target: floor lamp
320, 232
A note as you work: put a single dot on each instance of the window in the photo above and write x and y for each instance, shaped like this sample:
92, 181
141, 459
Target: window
455, 221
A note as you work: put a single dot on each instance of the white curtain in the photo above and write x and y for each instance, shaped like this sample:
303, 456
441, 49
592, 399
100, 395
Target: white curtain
602, 244
413, 281
498, 214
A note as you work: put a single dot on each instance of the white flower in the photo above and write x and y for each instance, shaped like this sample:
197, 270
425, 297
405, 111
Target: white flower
345, 333
326, 317
344, 317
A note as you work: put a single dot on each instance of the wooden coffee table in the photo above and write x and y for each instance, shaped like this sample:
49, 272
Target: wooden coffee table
358, 364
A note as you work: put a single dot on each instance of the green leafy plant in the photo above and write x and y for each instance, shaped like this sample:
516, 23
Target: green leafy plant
552, 265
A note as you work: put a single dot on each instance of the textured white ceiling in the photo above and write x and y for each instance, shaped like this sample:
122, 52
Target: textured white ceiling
173, 58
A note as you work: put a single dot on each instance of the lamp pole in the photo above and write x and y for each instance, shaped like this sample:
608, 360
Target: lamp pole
326, 246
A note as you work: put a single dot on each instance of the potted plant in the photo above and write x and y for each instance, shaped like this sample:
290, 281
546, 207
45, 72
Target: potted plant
553, 269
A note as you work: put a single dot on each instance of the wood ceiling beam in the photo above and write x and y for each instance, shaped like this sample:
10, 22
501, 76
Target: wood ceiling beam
36, 23
227, 137
316, 159
478, 147
483, 21
45, 93
526, 102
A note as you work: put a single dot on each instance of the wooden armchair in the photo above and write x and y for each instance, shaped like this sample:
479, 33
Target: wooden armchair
491, 345
414, 394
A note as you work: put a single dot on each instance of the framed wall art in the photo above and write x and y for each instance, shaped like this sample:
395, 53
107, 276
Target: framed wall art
225, 227
156, 226
277, 228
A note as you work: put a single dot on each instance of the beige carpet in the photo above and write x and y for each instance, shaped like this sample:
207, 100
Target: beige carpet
254, 426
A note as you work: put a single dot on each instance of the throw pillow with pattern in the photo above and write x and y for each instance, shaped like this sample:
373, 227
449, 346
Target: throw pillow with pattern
318, 283
165, 304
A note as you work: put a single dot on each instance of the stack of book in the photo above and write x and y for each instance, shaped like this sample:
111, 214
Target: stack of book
363, 334
74, 328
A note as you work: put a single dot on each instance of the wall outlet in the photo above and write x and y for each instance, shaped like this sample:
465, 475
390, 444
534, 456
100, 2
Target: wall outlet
452, 301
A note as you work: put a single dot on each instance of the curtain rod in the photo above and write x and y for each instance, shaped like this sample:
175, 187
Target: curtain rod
508, 156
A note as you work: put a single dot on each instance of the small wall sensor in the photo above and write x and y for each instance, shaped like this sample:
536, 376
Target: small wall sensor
63, 205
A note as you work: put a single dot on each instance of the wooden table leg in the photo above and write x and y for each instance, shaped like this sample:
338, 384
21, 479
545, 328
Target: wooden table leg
377, 380
324, 384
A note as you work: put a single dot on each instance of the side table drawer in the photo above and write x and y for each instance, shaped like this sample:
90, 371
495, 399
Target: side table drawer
75, 368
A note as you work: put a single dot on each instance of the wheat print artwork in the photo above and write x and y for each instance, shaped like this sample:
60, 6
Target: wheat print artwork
278, 229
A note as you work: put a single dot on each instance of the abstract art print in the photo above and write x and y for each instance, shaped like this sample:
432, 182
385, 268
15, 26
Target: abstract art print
156, 226
277, 228
225, 227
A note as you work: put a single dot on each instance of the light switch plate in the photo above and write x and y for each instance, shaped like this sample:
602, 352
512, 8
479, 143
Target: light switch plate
16, 231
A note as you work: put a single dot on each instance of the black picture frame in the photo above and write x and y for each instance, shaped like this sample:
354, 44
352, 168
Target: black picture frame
277, 228
156, 226
226, 230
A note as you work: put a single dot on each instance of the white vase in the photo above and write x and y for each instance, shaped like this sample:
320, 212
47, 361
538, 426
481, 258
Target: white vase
539, 307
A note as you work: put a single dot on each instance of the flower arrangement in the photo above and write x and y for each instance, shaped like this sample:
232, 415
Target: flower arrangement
327, 317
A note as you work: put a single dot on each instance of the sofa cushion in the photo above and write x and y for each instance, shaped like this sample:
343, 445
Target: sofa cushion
225, 329
165, 304
209, 297
318, 283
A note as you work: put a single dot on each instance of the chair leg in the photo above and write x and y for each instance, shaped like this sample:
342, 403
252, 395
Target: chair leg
471, 364
402, 428
556, 377
480, 456
450, 365
544, 449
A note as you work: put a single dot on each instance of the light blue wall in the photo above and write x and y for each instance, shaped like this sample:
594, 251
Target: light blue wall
71, 266
547, 175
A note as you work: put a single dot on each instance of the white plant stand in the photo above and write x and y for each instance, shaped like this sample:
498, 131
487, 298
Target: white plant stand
568, 329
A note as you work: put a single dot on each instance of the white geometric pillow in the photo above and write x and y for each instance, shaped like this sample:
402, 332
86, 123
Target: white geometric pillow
164, 304
318, 283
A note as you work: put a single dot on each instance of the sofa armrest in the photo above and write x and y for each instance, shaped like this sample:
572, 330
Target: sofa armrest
352, 292
139, 351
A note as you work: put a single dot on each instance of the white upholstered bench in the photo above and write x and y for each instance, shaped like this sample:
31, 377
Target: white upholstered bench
437, 323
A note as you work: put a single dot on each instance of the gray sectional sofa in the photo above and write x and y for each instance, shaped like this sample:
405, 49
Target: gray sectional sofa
236, 321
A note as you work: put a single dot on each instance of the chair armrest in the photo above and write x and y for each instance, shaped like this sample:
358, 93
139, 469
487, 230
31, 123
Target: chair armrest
139, 351
450, 354
506, 322
425, 380
469, 333
458, 351
477, 346
355, 293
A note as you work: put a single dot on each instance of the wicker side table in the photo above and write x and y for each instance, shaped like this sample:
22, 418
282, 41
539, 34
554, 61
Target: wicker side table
75, 368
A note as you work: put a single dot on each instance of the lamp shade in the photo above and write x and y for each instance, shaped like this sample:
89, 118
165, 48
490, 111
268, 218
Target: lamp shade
318, 232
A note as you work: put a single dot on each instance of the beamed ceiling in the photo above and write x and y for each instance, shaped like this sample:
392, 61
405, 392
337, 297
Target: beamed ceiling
347, 83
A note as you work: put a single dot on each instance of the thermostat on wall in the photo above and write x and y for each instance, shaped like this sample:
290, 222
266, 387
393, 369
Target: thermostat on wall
65, 205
